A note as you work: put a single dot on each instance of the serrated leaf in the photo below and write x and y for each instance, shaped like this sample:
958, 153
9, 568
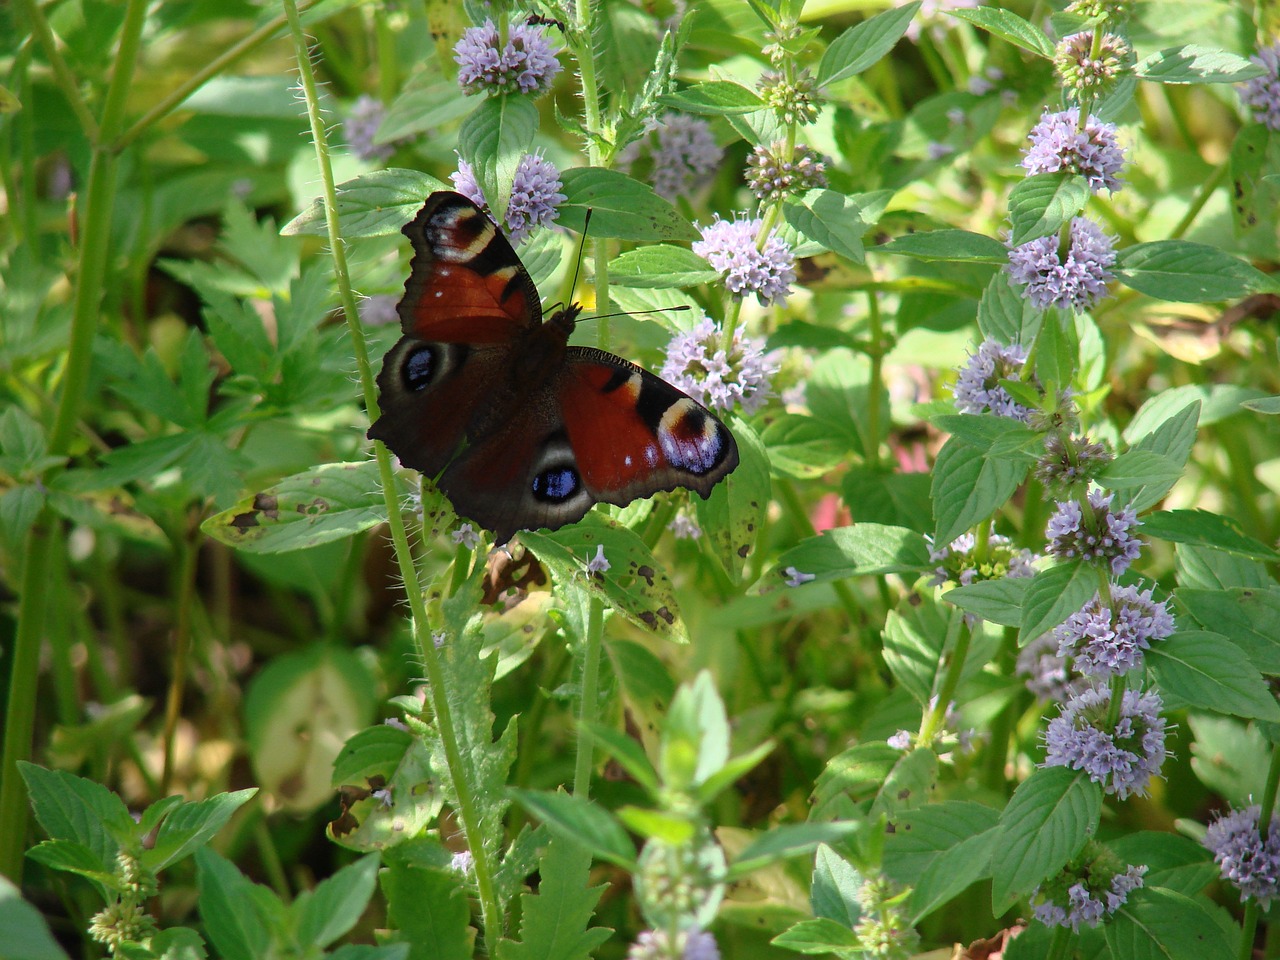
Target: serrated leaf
1182, 271
80, 810
1048, 819
374, 204
1192, 63
1041, 204
960, 246
863, 44
788, 840
75, 858
494, 139
1053, 595
332, 907
818, 937
191, 825
1006, 315
801, 447
1159, 924
968, 487
857, 772
325, 503
660, 265
999, 601
913, 776
621, 207
1248, 617
715, 98
864, 549
427, 906
635, 584
1136, 468
1206, 529
239, 915
1010, 27
554, 921
834, 891
1172, 439
402, 807
831, 219
1207, 670
950, 846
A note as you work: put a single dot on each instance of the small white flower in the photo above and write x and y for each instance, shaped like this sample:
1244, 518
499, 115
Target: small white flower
795, 577
599, 563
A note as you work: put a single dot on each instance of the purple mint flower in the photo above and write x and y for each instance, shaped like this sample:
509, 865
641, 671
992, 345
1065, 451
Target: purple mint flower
933, 14
1243, 857
1090, 899
1262, 94
691, 944
686, 153
1045, 672
698, 364
526, 63
1108, 538
1123, 759
982, 84
599, 563
535, 194
1106, 642
360, 127
1069, 462
684, 525
730, 247
1074, 283
978, 390
1057, 143
957, 561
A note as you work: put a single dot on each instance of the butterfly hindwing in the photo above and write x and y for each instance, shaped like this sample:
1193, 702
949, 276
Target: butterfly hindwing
466, 284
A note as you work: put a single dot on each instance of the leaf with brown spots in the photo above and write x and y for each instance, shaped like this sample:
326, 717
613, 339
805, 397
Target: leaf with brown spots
733, 514
328, 502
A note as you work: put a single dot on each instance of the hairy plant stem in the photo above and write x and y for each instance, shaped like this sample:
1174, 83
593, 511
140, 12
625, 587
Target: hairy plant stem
45, 535
467, 811
593, 121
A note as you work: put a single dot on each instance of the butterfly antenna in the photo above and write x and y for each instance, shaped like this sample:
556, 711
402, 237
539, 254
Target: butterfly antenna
582, 247
638, 313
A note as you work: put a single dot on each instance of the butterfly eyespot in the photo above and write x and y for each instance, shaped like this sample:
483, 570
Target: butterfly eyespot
690, 439
419, 369
556, 484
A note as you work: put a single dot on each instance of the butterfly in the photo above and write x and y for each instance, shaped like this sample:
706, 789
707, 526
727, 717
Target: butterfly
518, 429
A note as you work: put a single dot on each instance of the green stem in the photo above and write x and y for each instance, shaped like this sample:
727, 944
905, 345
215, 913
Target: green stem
875, 389
1210, 184
188, 551
1249, 923
590, 696
593, 123
956, 653
467, 809
66, 80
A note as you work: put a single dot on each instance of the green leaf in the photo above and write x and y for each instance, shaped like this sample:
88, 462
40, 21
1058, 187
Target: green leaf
968, 487
73, 808
328, 502
332, 907
831, 219
494, 139
1188, 272
1171, 438
1006, 315
660, 265
715, 98
1041, 204
864, 549
23, 930
1053, 595
834, 891
801, 447
913, 637
635, 584
1206, 529
909, 784
629, 753
819, 936
554, 922
373, 752
857, 773
788, 840
864, 44
1135, 468
239, 916
75, 858
398, 766
191, 825
999, 601
1248, 617
958, 246
372, 205
1048, 819
1207, 670
427, 906
1159, 924
1010, 27
940, 850
1192, 63
621, 207
995, 436
581, 821
694, 744
736, 508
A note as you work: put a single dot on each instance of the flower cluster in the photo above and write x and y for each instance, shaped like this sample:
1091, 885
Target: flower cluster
1113, 10
686, 154
1085, 74
1262, 94
1124, 758
361, 126
1074, 282
1046, 673
1243, 856
1105, 536
960, 563
978, 390
1058, 143
524, 64
730, 247
1106, 641
1069, 463
680, 885
884, 929
772, 173
686, 944
794, 100
1086, 892
698, 364
535, 194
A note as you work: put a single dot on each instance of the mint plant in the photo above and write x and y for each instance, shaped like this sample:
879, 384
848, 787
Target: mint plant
976, 644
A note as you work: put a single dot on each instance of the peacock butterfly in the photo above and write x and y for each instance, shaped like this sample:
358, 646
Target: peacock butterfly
517, 428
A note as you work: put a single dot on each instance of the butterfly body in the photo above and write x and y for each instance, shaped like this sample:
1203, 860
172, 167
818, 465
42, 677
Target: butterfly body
518, 428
